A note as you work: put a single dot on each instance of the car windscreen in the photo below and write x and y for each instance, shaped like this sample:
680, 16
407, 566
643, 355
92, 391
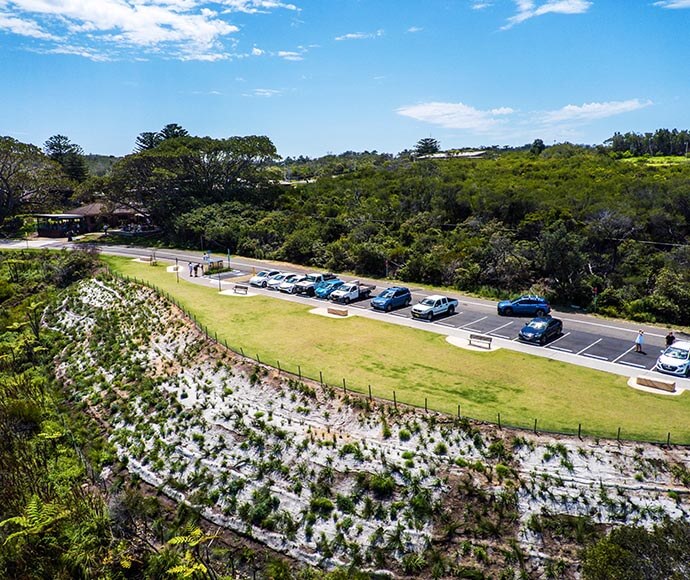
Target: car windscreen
428, 302
537, 325
677, 353
387, 294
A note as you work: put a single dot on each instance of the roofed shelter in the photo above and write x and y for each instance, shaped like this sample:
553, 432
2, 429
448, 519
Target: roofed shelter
97, 214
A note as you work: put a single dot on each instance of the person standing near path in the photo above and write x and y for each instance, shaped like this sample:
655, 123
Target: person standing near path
191, 269
196, 270
670, 338
639, 342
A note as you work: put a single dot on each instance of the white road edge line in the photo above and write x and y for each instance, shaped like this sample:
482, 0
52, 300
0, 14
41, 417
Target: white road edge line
631, 364
595, 356
560, 348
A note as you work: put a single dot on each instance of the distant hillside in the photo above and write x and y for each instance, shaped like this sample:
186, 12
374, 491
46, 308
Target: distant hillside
100, 164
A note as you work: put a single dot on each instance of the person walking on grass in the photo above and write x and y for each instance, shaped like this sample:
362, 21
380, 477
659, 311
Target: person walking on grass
639, 342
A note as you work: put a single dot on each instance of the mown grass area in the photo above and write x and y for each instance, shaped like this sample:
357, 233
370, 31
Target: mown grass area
417, 364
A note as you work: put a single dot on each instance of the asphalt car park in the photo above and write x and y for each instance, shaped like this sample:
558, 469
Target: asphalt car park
591, 344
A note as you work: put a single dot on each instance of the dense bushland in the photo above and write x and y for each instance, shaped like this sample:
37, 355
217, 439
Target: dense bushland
573, 223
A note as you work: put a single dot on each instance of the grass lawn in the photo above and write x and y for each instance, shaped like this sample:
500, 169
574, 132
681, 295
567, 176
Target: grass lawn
417, 364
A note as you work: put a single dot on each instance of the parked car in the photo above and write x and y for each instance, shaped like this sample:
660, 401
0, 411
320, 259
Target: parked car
675, 359
308, 284
434, 305
391, 298
325, 288
260, 279
277, 280
289, 285
352, 291
541, 330
524, 306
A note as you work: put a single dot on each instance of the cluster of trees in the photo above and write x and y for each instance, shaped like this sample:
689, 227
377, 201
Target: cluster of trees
661, 142
571, 223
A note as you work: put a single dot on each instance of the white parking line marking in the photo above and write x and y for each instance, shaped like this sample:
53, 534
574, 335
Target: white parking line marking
478, 320
560, 348
444, 324
595, 356
590, 346
559, 338
499, 335
472, 329
632, 364
499, 327
621, 356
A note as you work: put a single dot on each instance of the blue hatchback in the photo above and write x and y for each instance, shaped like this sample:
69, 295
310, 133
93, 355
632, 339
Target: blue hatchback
390, 298
524, 306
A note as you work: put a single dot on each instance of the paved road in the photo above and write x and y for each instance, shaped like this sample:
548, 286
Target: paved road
586, 340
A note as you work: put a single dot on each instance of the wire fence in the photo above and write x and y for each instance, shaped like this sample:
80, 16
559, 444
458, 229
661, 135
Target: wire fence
299, 373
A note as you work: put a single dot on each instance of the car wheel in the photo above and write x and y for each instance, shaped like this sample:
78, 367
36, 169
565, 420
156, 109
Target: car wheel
451, 310
263, 284
429, 316
346, 300
388, 308
408, 302
540, 313
542, 340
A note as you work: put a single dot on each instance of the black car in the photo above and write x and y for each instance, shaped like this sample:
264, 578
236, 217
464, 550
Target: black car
541, 329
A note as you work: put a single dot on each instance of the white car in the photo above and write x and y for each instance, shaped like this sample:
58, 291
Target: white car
675, 359
278, 279
434, 305
261, 279
289, 285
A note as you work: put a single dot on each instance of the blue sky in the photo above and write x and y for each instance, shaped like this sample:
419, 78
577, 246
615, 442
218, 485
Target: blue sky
327, 76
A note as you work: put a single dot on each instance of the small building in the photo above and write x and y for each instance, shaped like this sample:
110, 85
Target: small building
97, 214
59, 225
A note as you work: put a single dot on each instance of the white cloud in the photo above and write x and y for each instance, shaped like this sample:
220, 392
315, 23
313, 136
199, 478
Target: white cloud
184, 29
255, 6
508, 124
479, 5
456, 115
360, 35
257, 51
290, 55
527, 9
264, 93
413, 29
592, 111
23, 27
673, 4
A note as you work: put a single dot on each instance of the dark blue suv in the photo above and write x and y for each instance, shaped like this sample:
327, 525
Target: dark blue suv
390, 298
524, 306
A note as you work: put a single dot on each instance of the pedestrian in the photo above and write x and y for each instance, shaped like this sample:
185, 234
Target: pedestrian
639, 341
196, 270
670, 338
191, 269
